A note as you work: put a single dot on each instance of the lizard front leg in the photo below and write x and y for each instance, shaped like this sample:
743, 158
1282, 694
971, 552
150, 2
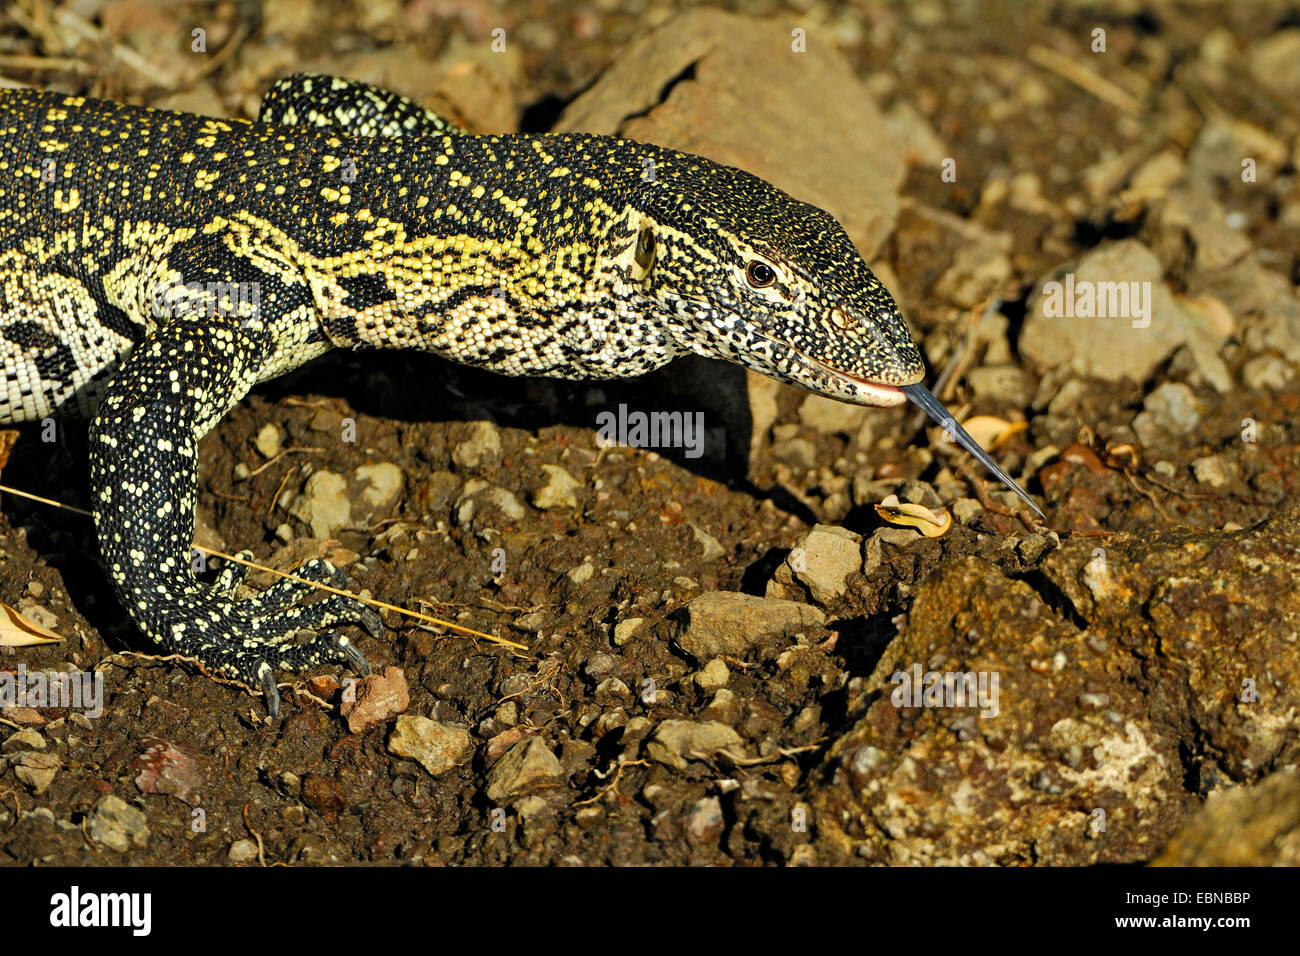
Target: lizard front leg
144, 478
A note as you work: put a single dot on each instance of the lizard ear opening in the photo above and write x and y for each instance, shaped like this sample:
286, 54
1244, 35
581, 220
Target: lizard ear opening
631, 246
644, 257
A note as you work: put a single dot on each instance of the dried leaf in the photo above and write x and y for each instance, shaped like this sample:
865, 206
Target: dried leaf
932, 524
17, 631
992, 432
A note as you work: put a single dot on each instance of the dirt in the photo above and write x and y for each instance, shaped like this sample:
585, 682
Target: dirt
793, 752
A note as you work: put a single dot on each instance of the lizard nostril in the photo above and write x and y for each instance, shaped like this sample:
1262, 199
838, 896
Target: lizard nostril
842, 318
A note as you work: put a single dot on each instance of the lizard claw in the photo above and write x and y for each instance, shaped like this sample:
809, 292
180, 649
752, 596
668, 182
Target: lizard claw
269, 690
354, 656
370, 620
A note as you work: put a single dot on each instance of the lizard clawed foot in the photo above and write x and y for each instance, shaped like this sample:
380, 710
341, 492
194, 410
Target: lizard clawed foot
256, 662
250, 639
346, 650
262, 663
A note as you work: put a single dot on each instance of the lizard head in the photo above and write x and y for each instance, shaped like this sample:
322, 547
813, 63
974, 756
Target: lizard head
741, 271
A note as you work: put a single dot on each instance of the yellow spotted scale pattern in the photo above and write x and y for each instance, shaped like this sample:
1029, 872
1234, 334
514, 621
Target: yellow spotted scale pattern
155, 265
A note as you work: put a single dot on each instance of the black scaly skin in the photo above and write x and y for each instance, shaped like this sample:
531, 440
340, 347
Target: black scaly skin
155, 265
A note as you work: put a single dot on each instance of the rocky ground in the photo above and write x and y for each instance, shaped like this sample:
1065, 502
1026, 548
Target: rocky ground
707, 645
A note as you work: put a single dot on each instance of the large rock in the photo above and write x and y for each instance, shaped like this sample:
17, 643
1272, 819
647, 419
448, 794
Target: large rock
1140, 665
1114, 348
1269, 302
379, 698
1242, 826
1171, 407
734, 90
1275, 63
114, 823
821, 562
329, 502
676, 742
436, 746
526, 766
724, 623
1191, 227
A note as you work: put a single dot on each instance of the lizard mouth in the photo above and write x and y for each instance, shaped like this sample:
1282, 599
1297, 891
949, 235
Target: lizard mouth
860, 391
866, 392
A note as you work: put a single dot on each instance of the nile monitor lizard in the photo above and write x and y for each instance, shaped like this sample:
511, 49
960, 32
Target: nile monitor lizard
156, 265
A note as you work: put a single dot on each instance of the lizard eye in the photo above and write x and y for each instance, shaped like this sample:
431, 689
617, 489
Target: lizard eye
759, 274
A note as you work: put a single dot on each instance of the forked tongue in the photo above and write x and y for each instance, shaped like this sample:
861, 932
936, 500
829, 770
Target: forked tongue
921, 396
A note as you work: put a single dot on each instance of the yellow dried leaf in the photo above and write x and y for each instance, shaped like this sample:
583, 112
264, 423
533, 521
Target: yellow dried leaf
17, 631
932, 524
992, 432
